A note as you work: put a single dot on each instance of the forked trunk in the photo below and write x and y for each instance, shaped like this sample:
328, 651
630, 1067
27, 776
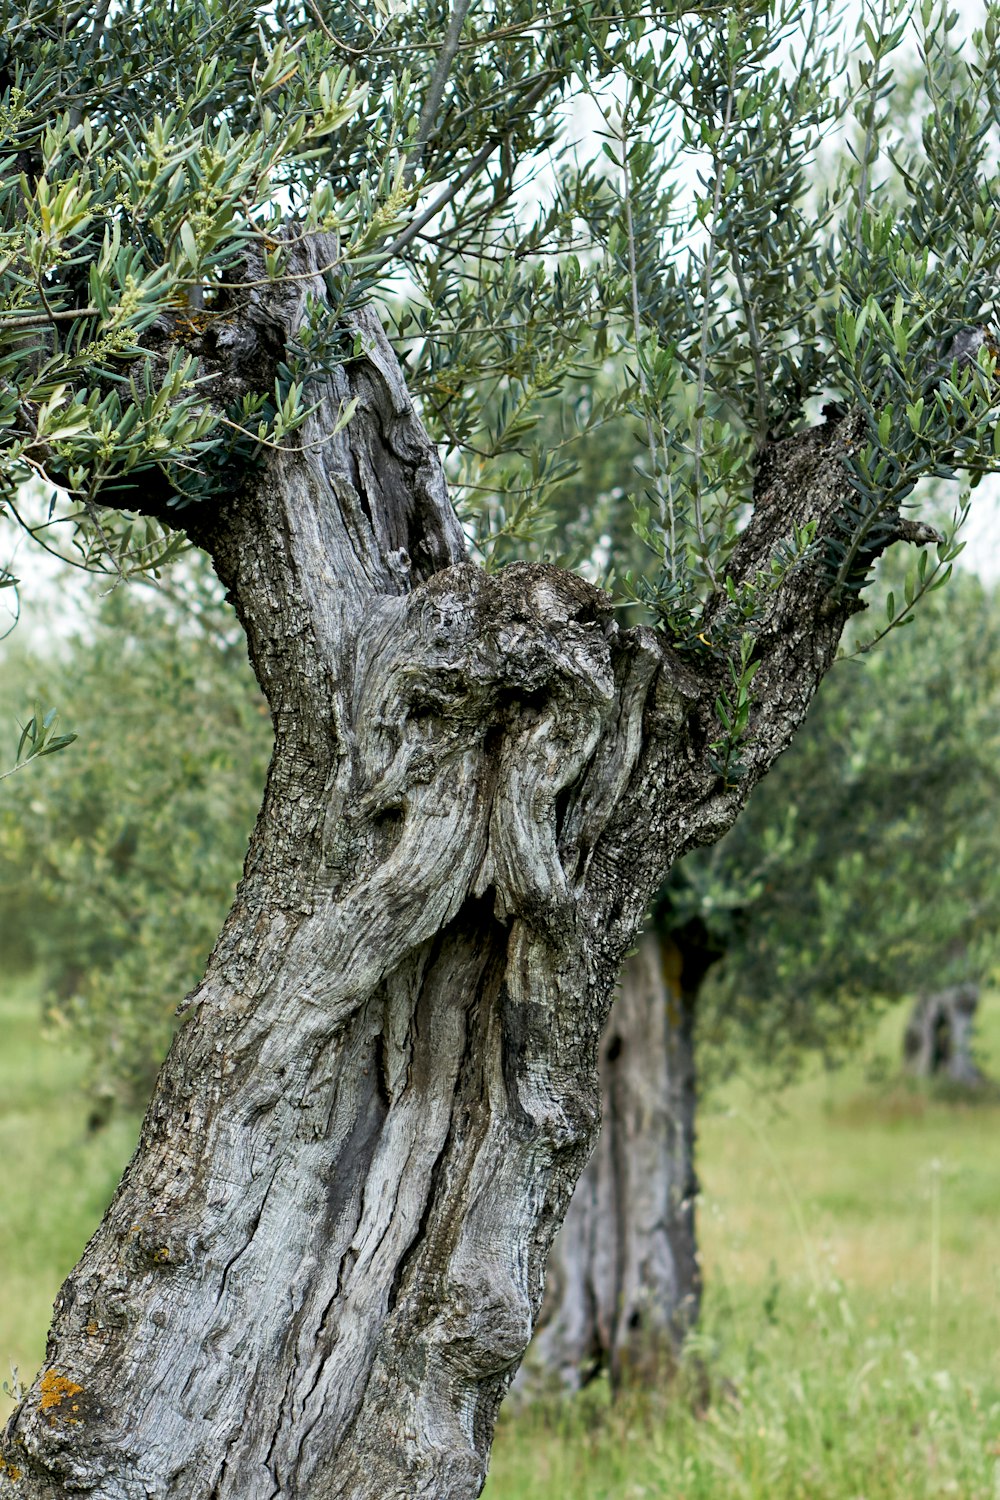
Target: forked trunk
322, 1266
623, 1288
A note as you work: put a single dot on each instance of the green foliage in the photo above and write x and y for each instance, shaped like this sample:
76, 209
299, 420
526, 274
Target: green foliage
924, 574
115, 215
866, 865
711, 291
37, 739
127, 211
693, 249
918, 274
732, 707
134, 843
735, 302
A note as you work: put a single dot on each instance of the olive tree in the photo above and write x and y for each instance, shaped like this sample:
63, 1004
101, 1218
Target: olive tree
863, 870
259, 264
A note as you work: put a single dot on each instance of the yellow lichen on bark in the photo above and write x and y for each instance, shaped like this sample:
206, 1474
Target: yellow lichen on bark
54, 1390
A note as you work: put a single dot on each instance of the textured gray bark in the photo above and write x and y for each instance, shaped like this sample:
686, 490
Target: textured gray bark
939, 1035
323, 1263
623, 1286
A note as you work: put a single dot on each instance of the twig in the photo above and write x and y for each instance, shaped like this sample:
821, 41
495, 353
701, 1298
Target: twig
39, 319
666, 505
435, 91
35, 533
321, 442
753, 335
330, 36
873, 93
455, 187
709, 269
95, 521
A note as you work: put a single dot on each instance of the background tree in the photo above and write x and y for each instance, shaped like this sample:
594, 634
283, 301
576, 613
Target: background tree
135, 850
323, 1263
863, 869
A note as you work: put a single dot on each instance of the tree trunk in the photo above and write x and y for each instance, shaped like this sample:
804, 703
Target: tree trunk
323, 1263
624, 1286
939, 1035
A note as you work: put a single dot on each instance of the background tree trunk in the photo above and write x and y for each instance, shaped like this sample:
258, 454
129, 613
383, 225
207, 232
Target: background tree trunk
323, 1264
939, 1034
624, 1285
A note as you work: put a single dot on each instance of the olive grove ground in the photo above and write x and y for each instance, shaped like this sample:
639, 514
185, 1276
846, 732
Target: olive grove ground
818, 1322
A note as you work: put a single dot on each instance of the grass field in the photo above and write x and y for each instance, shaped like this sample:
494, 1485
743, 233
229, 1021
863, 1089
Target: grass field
56, 1178
851, 1237
851, 1245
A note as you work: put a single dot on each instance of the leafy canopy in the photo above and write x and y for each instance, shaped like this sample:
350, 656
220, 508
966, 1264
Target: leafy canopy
158, 161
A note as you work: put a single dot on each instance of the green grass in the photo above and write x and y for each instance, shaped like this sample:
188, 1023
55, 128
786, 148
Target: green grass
851, 1245
56, 1180
852, 1265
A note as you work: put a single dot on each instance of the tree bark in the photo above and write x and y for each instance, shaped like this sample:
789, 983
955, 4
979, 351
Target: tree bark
939, 1035
323, 1263
623, 1287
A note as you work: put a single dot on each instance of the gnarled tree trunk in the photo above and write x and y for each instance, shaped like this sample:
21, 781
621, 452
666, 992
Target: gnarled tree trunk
324, 1261
623, 1287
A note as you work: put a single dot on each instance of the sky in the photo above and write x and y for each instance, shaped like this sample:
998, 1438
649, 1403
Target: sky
982, 532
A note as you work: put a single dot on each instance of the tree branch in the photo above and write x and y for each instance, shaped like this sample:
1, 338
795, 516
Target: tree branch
42, 319
440, 203
435, 91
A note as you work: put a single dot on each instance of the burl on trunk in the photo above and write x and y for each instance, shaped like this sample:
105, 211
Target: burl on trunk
322, 1266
